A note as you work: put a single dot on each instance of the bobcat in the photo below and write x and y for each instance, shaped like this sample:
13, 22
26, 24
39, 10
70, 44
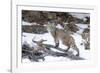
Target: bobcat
64, 36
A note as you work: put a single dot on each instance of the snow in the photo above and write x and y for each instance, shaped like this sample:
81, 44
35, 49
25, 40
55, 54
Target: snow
55, 59
26, 60
82, 25
26, 23
28, 37
80, 15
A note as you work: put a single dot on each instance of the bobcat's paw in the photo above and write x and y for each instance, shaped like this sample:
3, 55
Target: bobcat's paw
57, 45
77, 54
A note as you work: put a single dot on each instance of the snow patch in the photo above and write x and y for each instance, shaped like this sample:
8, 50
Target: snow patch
55, 59
80, 15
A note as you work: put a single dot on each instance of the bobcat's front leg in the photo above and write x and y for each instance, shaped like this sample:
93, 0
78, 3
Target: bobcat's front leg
67, 49
56, 43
